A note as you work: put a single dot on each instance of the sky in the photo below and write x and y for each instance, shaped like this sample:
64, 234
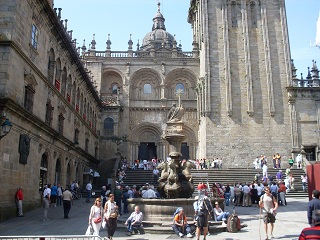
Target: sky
120, 18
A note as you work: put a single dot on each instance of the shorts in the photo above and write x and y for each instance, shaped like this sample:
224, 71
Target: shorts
269, 218
202, 221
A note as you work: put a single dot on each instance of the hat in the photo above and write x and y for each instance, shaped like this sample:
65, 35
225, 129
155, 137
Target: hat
147, 183
196, 197
216, 203
134, 186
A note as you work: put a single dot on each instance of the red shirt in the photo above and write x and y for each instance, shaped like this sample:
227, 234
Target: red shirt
311, 233
19, 195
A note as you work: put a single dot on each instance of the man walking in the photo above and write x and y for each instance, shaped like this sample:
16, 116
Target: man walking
46, 201
313, 205
204, 210
19, 199
89, 189
269, 205
67, 201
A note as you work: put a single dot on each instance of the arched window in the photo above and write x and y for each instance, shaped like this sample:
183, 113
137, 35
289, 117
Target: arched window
115, 89
108, 126
180, 88
147, 88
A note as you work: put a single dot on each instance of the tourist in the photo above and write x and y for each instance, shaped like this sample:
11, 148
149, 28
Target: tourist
265, 170
304, 180
205, 209
46, 201
59, 195
282, 194
290, 161
269, 205
125, 197
134, 221
313, 205
67, 201
53, 197
149, 192
111, 215
237, 193
219, 214
227, 194
312, 232
254, 195
95, 216
155, 173
89, 189
180, 224
104, 196
19, 199
278, 160
246, 196
118, 195
279, 175
299, 160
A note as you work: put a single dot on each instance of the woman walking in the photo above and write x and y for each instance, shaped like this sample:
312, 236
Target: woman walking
111, 215
95, 217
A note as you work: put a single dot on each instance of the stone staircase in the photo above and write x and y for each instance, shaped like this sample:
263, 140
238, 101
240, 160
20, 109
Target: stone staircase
230, 175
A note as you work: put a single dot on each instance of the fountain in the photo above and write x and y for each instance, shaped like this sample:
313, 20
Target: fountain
175, 183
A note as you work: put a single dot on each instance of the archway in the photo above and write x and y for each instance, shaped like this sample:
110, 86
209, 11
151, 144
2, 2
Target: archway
57, 178
43, 171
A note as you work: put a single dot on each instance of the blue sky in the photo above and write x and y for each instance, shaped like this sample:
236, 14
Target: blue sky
120, 18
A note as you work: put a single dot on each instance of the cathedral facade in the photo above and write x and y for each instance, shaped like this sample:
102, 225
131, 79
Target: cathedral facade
240, 87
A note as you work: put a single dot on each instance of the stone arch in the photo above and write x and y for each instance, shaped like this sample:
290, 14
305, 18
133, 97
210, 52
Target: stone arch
110, 78
181, 76
151, 129
146, 141
140, 78
44, 165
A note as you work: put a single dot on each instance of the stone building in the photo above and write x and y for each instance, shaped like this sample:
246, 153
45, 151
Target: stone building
48, 97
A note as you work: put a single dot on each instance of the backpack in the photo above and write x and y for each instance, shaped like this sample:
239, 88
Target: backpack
233, 223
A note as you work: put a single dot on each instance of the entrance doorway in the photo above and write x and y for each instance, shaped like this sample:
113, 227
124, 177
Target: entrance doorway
185, 151
147, 150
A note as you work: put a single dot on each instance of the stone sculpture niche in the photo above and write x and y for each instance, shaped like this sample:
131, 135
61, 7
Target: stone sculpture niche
175, 180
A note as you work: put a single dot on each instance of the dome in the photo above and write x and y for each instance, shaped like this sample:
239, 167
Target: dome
158, 37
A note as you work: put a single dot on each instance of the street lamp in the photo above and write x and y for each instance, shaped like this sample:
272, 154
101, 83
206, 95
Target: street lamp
6, 126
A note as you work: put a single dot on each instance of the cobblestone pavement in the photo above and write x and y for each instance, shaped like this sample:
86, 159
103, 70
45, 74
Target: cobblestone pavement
291, 219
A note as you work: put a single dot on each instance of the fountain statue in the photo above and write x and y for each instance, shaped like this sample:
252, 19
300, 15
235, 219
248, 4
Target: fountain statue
175, 180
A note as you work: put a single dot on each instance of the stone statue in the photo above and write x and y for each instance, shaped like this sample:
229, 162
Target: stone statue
24, 148
175, 113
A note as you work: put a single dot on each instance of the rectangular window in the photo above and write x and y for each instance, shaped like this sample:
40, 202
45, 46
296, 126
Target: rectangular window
28, 97
49, 113
60, 124
34, 36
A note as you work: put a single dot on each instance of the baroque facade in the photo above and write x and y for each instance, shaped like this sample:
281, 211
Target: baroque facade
48, 97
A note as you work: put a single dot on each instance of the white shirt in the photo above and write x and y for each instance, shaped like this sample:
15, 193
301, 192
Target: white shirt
149, 194
245, 189
47, 192
89, 187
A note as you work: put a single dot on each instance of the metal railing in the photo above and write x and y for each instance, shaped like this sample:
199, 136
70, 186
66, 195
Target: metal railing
54, 237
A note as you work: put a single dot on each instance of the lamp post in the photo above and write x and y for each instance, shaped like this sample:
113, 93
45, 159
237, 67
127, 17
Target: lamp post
6, 126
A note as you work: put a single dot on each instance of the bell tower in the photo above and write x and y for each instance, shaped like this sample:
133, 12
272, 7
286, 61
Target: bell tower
244, 71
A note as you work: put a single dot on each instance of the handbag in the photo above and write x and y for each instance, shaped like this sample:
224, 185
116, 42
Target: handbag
97, 220
114, 214
89, 230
